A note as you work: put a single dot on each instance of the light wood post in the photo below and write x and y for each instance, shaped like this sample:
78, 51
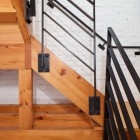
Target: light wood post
25, 99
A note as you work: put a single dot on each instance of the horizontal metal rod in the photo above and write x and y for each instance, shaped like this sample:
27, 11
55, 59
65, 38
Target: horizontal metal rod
68, 33
81, 10
73, 20
69, 50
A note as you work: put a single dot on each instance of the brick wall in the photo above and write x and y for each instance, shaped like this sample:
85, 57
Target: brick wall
123, 16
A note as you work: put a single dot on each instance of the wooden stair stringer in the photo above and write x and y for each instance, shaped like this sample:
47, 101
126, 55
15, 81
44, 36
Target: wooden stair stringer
67, 81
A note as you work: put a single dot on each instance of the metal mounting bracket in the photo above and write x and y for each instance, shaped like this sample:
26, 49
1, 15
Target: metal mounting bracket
43, 63
50, 4
30, 10
102, 46
137, 53
94, 105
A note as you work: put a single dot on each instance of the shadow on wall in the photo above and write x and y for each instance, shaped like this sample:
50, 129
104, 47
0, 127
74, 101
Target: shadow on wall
43, 92
8, 87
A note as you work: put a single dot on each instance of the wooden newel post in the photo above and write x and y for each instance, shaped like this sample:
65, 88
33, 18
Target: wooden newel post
25, 99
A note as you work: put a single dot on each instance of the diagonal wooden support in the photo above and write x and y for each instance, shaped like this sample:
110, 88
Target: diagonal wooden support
18, 5
25, 99
67, 81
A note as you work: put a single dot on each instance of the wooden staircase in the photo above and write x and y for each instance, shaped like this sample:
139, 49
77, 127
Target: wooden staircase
19, 50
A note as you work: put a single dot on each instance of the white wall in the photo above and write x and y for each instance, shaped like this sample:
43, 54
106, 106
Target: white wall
122, 15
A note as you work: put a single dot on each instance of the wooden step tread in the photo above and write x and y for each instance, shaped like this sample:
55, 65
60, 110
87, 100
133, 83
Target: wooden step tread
6, 6
7, 12
8, 17
89, 134
55, 108
47, 117
10, 34
48, 121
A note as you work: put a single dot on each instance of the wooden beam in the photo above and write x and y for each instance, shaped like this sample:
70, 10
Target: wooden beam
21, 20
50, 108
87, 134
67, 81
82, 134
45, 121
12, 57
25, 99
25, 30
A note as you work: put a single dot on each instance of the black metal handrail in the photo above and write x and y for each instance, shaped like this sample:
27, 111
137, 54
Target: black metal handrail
71, 16
74, 18
89, 29
111, 108
81, 10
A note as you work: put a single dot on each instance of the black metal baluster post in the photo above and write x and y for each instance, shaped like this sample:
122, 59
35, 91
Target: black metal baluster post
94, 43
43, 59
94, 101
42, 33
108, 63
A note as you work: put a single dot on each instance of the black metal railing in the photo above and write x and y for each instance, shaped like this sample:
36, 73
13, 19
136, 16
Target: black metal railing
90, 31
113, 125
76, 19
43, 59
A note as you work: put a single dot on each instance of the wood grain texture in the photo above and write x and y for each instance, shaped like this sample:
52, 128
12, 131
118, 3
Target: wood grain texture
87, 134
6, 6
57, 117
10, 34
25, 99
50, 108
51, 135
18, 5
7, 12
47, 121
8, 17
12, 56
71, 84
24, 28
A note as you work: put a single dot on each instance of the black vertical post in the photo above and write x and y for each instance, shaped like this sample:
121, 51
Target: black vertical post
43, 59
94, 43
108, 63
42, 33
94, 101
